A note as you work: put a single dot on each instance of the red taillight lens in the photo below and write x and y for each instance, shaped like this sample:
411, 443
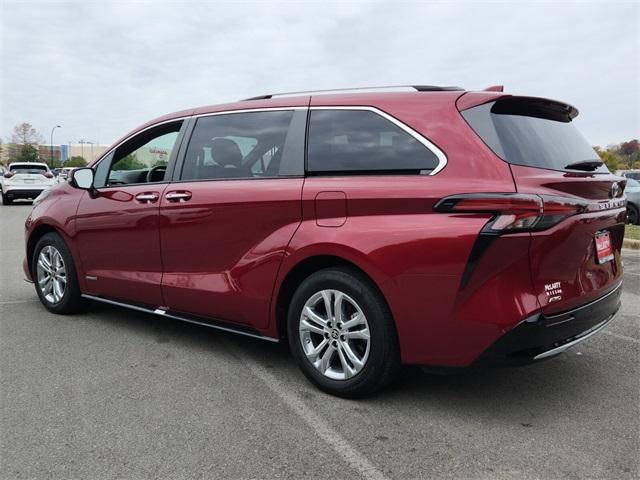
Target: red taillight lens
9, 174
48, 175
513, 212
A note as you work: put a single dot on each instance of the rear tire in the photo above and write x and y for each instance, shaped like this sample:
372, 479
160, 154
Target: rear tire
54, 276
632, 214
6, 200
351, 351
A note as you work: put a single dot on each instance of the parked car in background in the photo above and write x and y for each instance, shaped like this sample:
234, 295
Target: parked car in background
632, 191
56, 172
63, 176
435, 226
25, 180
635, 174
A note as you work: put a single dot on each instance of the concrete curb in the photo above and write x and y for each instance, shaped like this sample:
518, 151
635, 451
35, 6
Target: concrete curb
630, 243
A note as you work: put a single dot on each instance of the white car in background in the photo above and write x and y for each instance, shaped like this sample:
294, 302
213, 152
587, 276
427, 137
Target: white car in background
63, 176
25, 180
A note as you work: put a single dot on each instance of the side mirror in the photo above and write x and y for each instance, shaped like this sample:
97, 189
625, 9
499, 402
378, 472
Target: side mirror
83, 178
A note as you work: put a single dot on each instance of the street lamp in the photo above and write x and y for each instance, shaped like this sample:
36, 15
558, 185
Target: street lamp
57, 126
82, 142
91, 143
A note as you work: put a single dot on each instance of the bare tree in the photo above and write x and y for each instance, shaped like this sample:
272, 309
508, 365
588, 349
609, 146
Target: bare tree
25, 134
27, 139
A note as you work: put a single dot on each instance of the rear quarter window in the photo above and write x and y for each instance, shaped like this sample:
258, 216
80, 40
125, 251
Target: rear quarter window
362, 141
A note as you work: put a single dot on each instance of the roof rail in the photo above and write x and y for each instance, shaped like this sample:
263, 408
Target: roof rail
418, 88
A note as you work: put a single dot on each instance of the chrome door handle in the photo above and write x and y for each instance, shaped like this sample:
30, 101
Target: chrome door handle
147, 197
178, 196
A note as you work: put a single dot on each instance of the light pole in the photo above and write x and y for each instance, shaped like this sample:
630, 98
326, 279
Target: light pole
91, 143
82, 142
57, 126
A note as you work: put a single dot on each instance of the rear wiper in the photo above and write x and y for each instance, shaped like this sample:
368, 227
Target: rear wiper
586, 165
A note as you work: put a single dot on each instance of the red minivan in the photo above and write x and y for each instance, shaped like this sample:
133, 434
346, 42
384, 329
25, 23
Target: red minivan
422, 225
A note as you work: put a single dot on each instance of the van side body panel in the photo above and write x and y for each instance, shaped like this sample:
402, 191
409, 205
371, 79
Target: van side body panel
416, 256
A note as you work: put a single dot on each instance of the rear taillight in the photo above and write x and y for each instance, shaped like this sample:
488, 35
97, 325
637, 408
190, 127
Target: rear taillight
48, 174
513, 212
9, 174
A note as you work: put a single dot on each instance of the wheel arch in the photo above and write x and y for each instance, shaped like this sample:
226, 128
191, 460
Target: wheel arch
35, 236
40, 230
303, 269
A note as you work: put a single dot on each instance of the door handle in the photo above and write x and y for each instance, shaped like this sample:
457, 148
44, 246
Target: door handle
178, 196
147, 197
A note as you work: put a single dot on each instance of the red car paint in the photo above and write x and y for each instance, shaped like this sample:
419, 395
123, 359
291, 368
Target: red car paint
226, 252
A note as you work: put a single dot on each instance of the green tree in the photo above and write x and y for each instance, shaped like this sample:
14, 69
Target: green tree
160, 163
27, 153
611, 158
55, 164
130, 162
76, 161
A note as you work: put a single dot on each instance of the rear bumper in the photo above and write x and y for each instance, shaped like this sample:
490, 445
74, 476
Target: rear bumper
18, 192
541, 336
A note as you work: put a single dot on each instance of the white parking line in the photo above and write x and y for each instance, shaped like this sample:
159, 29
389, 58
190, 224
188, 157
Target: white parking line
623, 337
336, 441
13, 302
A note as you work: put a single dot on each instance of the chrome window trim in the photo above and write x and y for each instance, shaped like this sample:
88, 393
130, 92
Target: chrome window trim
442, 158
185, 117
249, 110
116, 146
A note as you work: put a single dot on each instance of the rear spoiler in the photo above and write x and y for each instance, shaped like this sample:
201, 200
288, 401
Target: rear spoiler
519, 105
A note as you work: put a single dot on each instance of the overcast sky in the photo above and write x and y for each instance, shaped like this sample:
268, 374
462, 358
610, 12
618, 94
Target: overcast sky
101, 68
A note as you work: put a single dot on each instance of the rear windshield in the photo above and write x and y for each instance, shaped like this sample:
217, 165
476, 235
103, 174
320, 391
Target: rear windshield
28, 168
531, 132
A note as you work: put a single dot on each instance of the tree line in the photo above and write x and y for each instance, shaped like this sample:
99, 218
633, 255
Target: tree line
621, 156
23, 147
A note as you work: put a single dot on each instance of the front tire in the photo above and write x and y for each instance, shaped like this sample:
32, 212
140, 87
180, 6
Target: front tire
54, 276
342, 334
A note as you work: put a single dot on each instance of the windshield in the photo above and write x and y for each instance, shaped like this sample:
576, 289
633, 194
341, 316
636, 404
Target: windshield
531, 132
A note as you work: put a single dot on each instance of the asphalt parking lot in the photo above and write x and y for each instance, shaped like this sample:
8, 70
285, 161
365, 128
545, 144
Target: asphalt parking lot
113, 393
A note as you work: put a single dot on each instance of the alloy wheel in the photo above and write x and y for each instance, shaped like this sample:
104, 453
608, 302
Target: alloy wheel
51, 274
334, 334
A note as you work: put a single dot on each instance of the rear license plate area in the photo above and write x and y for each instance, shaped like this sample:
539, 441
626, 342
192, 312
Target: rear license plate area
604, 248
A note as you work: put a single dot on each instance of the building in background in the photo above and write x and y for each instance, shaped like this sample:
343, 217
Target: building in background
88, 151
60, 153
63, 152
